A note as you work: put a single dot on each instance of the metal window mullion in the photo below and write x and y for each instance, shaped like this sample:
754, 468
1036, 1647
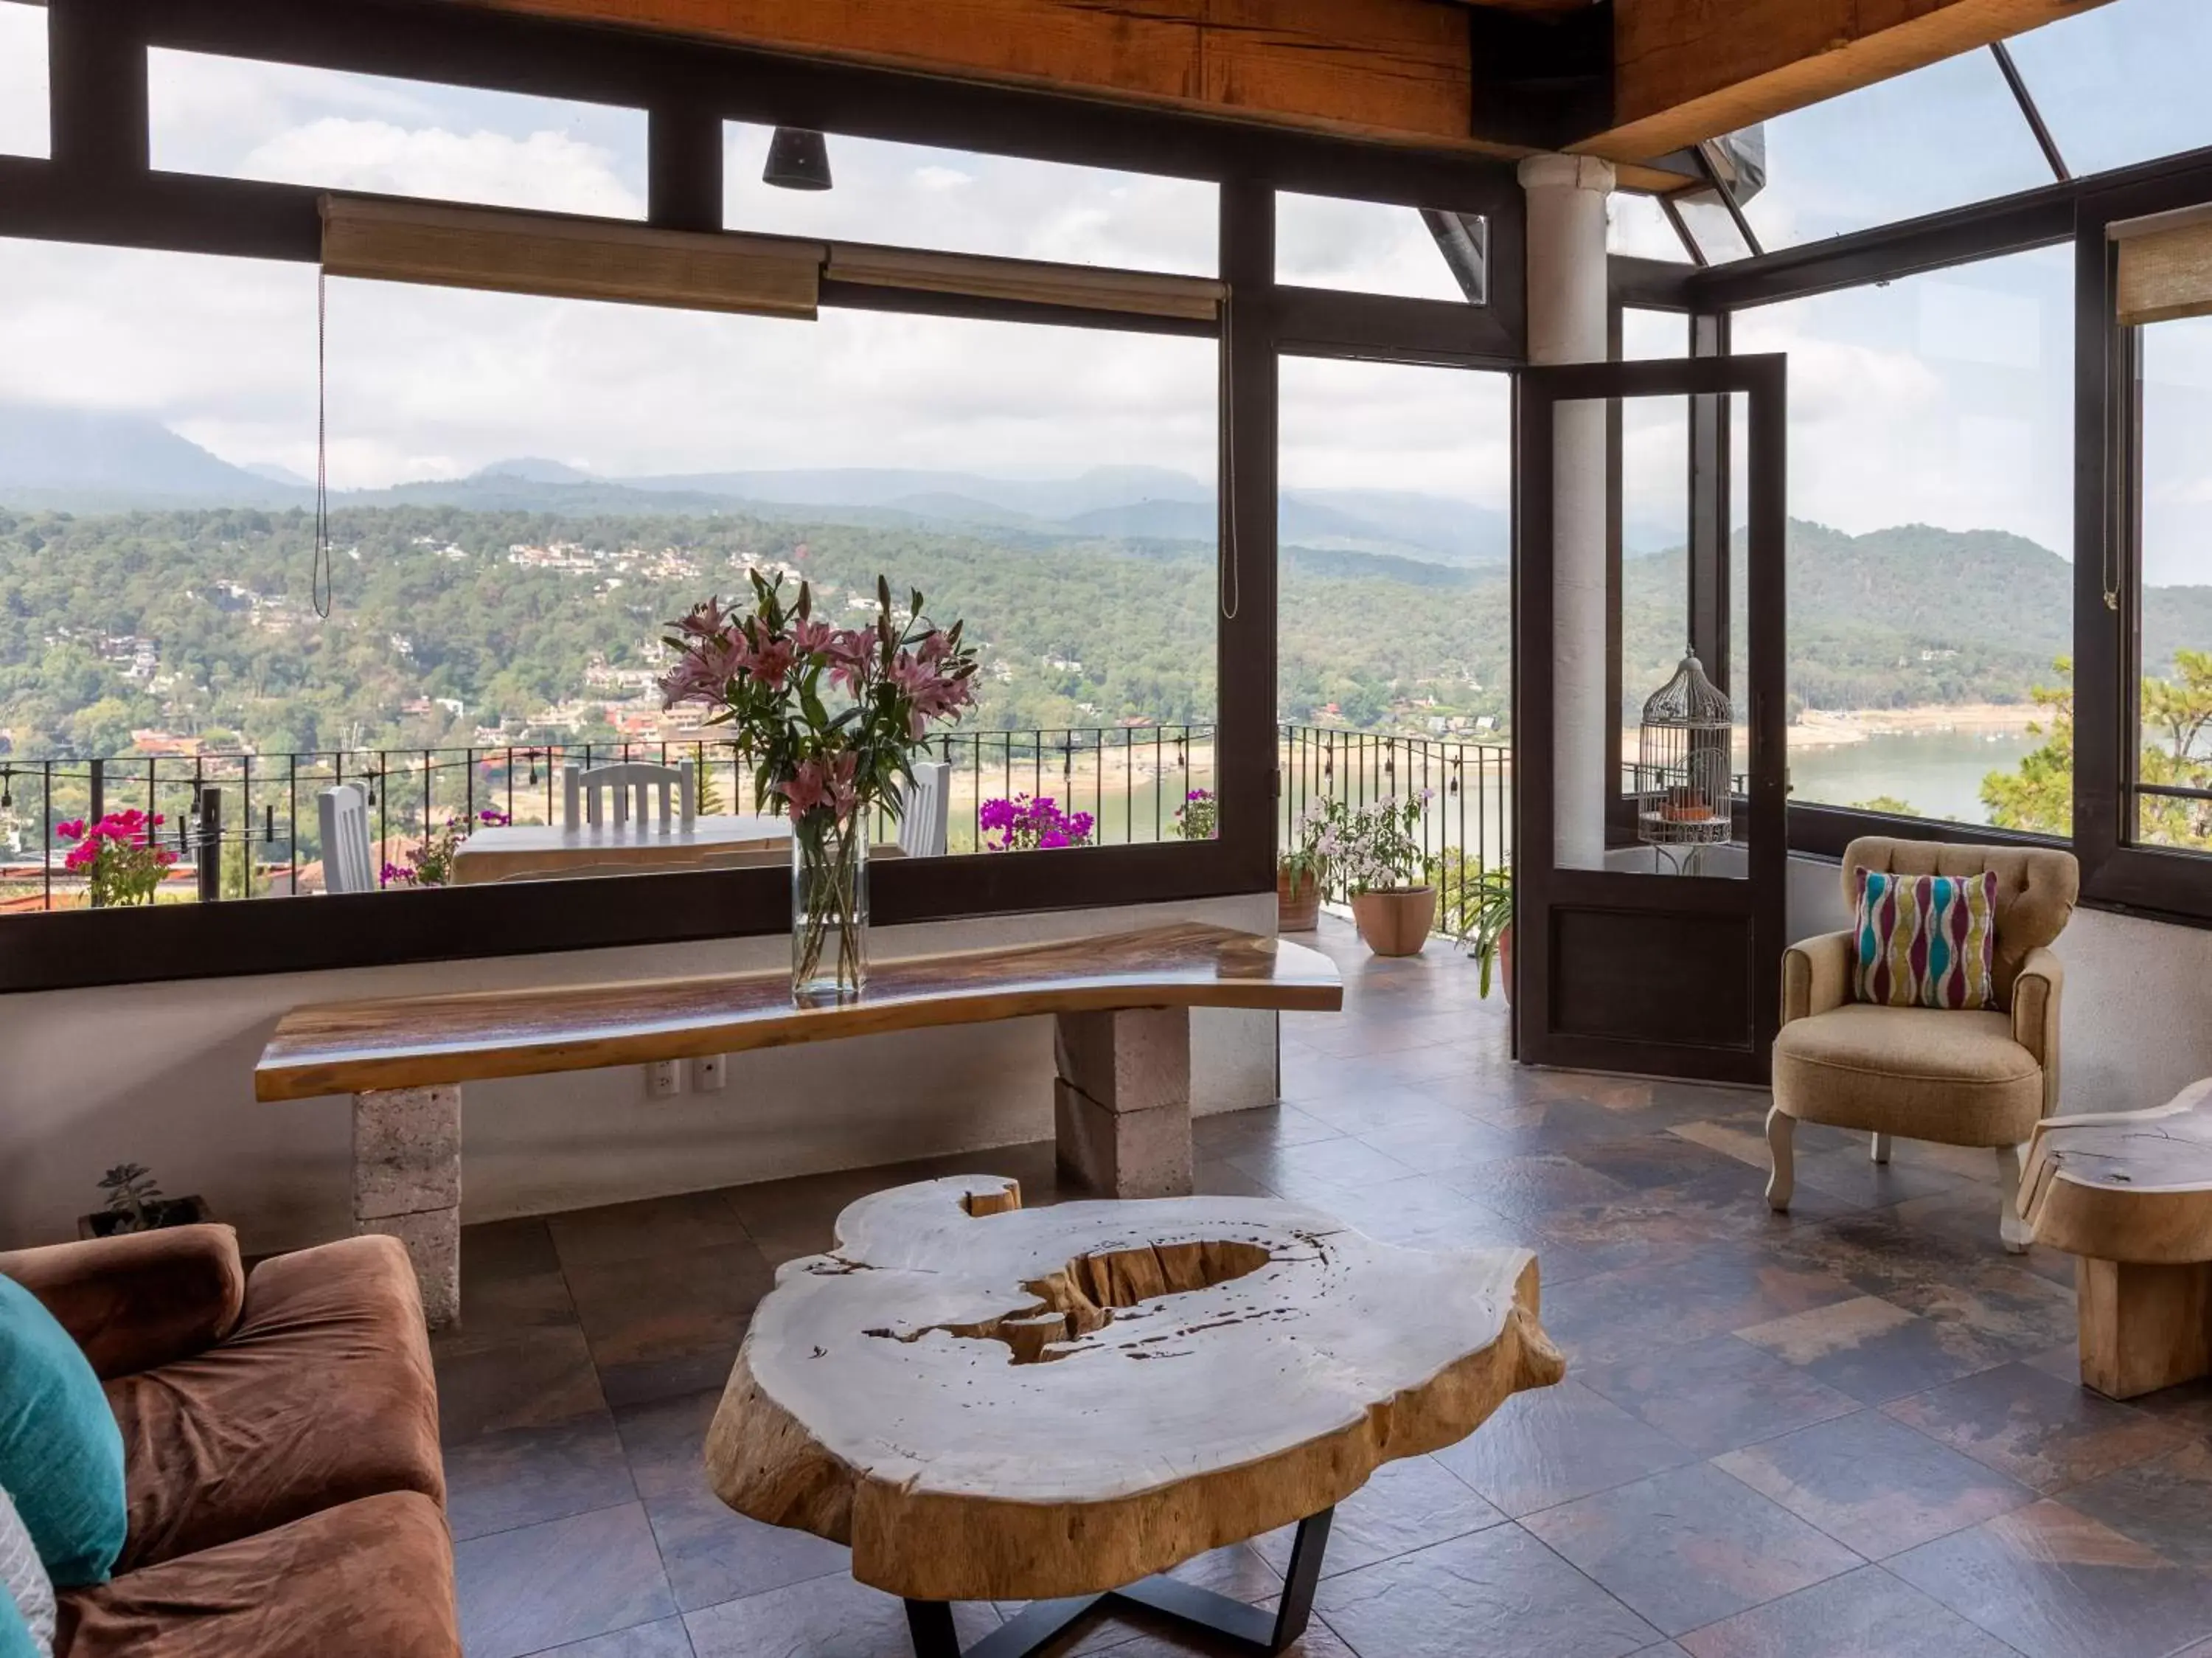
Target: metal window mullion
2028, 111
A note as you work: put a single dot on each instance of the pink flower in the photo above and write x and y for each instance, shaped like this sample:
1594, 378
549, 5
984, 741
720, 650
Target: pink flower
815, 786
811, 638
772, 661
73, 830
492, 816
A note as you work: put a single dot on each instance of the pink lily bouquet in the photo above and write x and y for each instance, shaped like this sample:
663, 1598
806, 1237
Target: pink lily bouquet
831, 719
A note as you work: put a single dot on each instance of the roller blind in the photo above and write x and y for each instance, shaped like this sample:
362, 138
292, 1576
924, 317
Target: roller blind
1143, 293
521, 252
2165, 266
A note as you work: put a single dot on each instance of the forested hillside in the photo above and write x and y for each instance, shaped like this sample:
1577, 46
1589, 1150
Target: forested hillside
197, 621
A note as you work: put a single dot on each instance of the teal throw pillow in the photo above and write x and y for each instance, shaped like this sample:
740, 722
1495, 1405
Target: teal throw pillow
61, 1453
15, 1639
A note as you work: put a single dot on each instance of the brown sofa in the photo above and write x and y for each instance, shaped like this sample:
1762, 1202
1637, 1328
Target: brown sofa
281, 1448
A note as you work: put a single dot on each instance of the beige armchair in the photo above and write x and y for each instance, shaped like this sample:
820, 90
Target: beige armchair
1959, 1078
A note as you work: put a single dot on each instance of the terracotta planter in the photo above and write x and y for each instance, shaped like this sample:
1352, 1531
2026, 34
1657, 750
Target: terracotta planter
1301, 914
1395, 920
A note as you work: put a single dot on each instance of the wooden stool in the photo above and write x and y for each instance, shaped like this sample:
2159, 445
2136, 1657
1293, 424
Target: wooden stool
2130, 1192
1054, 1405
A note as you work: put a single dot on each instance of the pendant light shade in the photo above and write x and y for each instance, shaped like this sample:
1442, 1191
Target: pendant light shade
797, 160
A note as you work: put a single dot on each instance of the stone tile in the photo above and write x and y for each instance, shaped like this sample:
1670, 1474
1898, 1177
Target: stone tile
656, 1226
1419, 1210
508, 1249
1690, 1546
1374, 1106
1310, 1173
1436, 1137
667, 1306
1650, 1161
1874, 1351
1535, 1187
645, 1381
1318, 1642
1617, 1315
2057, 1584
1850, 1172
1745, 1143
522, 1378
1874, 1484
1279, 1124
662, 1638
565, 1581
1550, 1445
2036, 1428
1405, 1505
805, 1208
522, 1476
711, 1553
1218, 1177
1716, 1394
1865, 1613
1497, 1591
2165, 1502
824, 1618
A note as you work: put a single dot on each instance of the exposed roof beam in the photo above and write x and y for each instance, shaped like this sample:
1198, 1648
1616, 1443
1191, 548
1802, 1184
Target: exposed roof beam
1396, 69
1688, 70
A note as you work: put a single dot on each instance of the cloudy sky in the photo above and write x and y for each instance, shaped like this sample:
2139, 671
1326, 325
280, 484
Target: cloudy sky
1942, 398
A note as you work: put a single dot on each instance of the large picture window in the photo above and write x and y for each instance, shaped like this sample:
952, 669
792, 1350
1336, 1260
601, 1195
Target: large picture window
1930, 583
2174, 693
523, 492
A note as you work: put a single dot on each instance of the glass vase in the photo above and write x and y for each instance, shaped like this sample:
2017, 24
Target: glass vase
828, 908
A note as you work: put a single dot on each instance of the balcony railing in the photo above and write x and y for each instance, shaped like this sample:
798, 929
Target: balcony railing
246, 825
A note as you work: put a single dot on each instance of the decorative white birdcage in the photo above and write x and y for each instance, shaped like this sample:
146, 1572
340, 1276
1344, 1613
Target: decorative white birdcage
1684, 770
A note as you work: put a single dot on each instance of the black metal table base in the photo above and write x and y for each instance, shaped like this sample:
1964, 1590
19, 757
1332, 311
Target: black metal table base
1042, 1622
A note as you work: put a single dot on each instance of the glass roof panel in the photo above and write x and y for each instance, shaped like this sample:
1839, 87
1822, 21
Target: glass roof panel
23, 80
2123, 83
1713, 226
1366, 247
1941, 137
1636, 225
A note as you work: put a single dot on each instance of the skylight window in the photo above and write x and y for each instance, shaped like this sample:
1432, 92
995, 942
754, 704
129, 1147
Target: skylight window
2122, 83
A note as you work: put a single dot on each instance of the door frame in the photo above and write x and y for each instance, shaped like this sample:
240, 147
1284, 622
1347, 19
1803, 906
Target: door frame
1540, 888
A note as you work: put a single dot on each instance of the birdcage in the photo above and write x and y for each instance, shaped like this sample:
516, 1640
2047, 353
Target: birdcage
1684, 772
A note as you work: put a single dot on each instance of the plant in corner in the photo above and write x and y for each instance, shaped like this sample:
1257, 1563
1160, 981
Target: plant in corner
1026, 823
1199, 817
830, 719
1300, 872
117, 857
1376, 851
135, 1204
1482, 919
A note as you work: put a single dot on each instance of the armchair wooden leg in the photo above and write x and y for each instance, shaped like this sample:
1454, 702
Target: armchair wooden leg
1882, 1148
1781, 1140
2014, 1231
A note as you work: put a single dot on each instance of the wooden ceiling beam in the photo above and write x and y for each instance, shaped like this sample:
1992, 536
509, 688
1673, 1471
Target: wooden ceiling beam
1395, 69
1688, 70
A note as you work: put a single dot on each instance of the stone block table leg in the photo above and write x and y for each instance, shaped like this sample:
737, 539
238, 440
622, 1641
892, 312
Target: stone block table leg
2143, 1327
407, 1184
1122, 1103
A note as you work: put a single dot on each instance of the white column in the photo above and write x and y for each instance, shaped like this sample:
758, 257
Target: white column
1567, 324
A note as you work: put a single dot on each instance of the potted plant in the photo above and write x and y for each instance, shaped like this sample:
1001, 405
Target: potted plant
1025, 824
1198, 816
1486, 924
1300, 872
135, 1204
831, 719
1381, 863
117, 857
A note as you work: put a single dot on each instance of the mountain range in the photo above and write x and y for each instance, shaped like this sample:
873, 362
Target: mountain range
79, 461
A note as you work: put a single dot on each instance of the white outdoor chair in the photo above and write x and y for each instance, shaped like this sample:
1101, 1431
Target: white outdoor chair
625, 781
925, 817
349, 864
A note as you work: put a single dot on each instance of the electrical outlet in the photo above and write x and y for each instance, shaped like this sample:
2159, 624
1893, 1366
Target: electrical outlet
664, 1079
710, 1072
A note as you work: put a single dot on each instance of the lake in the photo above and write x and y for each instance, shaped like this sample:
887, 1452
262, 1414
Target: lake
1939, 772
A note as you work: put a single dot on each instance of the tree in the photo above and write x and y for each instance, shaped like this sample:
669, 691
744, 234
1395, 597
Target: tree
2176, 717
1889, 804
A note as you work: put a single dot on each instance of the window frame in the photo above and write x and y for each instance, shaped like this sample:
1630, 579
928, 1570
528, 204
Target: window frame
98, 187
2164, 884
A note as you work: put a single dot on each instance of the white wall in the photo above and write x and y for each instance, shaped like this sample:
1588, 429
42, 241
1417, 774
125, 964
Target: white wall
163, 1075
2136, 1017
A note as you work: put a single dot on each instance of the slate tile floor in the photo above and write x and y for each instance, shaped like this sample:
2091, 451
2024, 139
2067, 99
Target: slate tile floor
1851, 1432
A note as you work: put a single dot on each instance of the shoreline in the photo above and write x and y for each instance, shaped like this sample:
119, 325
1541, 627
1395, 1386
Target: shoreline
1832, 729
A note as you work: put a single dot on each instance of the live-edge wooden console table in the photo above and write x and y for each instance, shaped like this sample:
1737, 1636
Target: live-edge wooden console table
1120, 1004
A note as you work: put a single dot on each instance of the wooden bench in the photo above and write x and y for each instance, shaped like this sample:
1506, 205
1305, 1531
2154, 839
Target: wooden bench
2129, 1194
990, 1403
1121, 1003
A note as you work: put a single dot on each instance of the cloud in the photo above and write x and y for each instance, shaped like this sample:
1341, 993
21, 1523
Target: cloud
545, 170
24, 107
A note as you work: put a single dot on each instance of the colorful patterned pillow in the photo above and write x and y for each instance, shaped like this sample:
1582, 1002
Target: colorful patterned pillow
1926, 940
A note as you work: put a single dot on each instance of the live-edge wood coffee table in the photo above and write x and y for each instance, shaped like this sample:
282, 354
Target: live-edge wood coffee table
989, 1403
